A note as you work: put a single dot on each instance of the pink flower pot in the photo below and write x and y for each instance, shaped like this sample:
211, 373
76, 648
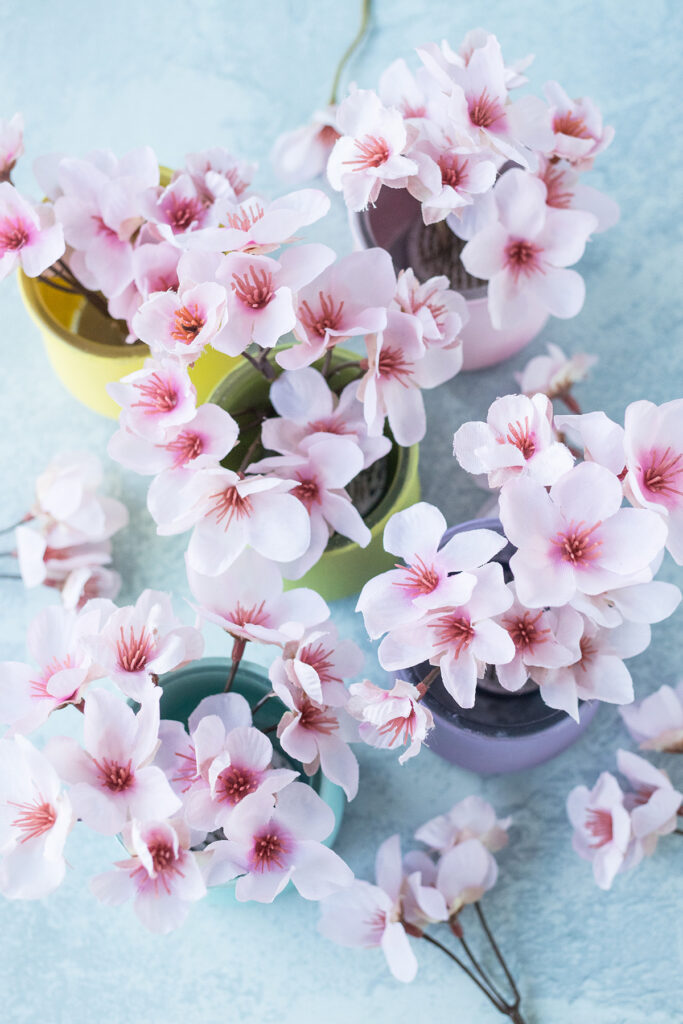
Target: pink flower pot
388, 225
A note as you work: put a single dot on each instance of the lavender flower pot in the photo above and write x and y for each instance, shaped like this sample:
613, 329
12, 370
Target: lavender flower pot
395, 224
503, 732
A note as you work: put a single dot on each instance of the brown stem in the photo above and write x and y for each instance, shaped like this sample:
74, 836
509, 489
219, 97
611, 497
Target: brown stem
570, 402
496, 950
678, 831
249, 452
238, 647
65, 274
262, 701
51, 283
270, 728
501, 1007
480, 970
425, 683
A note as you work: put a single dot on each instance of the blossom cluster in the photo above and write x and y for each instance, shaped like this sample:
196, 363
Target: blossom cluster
506, 172
64, 540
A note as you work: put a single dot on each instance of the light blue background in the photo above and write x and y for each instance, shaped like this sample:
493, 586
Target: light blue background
187, 75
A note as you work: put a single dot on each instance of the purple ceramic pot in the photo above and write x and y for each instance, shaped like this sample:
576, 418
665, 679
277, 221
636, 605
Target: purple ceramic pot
503, 732
393, 224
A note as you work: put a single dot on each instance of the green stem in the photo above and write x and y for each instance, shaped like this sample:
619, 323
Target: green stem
349, 364
351, 48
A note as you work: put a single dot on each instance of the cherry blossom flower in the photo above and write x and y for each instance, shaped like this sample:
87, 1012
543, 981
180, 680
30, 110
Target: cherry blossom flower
267, 846
656, 722
555, 374
257, 225
349, 298
11, 144
648, 602
525, 253
576, 537
88, 583
41, 562
320, 470
414, 94
516, 441
602, 827
578, 131
653, 440
370, 150
57, 644
391, 385
249, 603
432, 577
111, 776
155, 399
29, 238
442, 313
465, 872
318, 664
461, 640
565, 191
182, 323
301, 155
162, 876
177, 208
653, 802
478, 37
215, 172
35, 820
390, 718
142, 641
471, 818
602, 439
536, 644
448, 178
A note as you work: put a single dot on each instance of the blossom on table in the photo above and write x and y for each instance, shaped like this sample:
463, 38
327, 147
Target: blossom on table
11, 144
162, 876
555, 374
155, 399
516, 441
653, 802
656, 722
318, 663
471, 818
578, 132
35, 820
390, 718
602, 827
30, 238
301, 155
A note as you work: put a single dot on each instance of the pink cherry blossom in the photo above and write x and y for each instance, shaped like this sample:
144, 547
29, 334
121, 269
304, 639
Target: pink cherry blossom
653, 801
602, 439
301, 155
177, 208
390, 718
576, 537
578, 131
142, 641
555, 374
318, 664
11, 144
29, 237
602, 827
62, 669
478, 37
471, 818
448, 178
465, 873
249, 603
320, 470
441, 311
111, 775
162, 876
35, 820
268, 845
516, 441
88, 583
412, 93
215, 172
258, 226
653, 440
370, 150
647, 602
349, 298
155, 399
181, 324
523, 255
533, 633
432, 577
565, 191
656, 722
461, 640
40, 562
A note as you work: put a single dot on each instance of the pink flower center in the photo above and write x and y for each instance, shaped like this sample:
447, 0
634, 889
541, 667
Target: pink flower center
103, 229
163, 856
14, 235
254, 616
453, 630
399, 730
229, 504
269, 850
326, 320
134, 652
522, 257
418, 578
588, 651
485, 111
330, 426
599, 824
164, 864
571, 124
453, 170
255, 291
39, 686
393, 365
186, 769
308, 492
157, 395
372, 150
409, 111
524, 631
245, 219
114, 776
559, 194
314, 718
521, 436
186, 447
182, 213
577, 545
320, 659
662, 474
188, 322
376, 926
234, 783
34, 819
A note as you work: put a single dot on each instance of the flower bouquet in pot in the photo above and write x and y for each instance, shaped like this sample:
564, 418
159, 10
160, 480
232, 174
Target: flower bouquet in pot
453, 175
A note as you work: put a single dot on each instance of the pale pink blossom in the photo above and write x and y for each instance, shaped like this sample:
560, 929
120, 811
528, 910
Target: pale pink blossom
268, 844
390, 718
181, 324
258, 226
565, 191
533, 633
602, 827
461, 640
478, 37
40, 562
471, 818
653, 440
140, 642
433, 576
29, 237
349, 298
35, 820
448, 178
647, 602
516, 441
320, 470
555, 374
370, 151
155, 269
318, 664
656, 722
249, 603
301, 154
177, 208
414, 94
216, 172
155, 399
421, 902
442, 313
111, 775
88, 583
575, 538
525, 253
162, 876
465, 872
653, 802
602, 440
11, 144
578, 132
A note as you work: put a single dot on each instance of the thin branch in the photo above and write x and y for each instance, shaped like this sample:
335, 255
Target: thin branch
496, 950
351, 48
478, 967
9, 576
355, 363
502, 1007
262, 701
249, 452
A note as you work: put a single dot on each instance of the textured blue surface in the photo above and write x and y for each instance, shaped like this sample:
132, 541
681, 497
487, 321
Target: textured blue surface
187, 74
